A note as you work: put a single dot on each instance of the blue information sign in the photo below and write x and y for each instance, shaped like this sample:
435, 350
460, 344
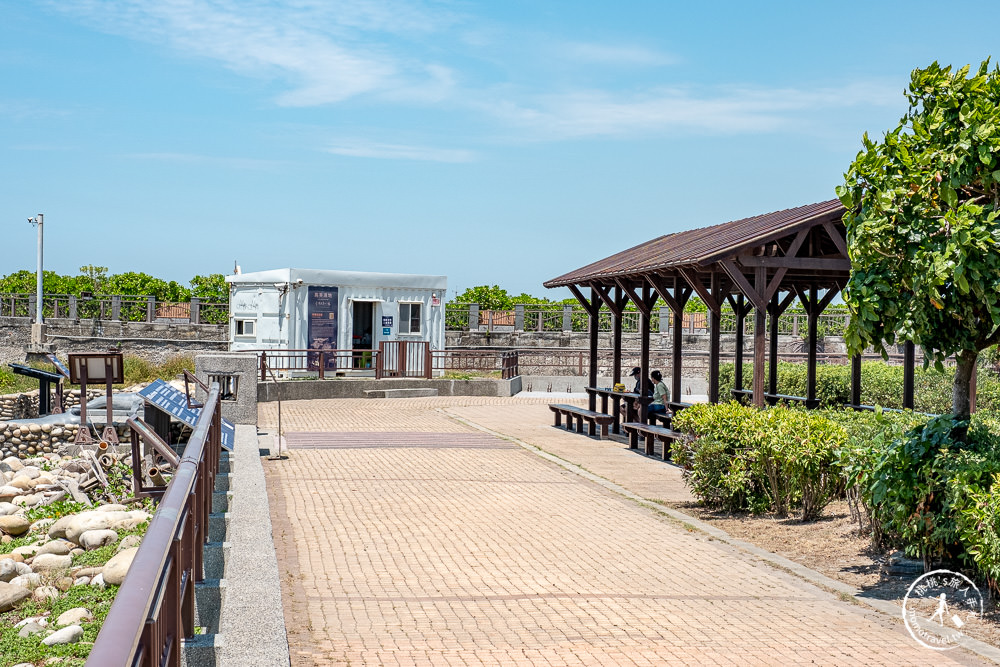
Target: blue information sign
386, 331
174, 403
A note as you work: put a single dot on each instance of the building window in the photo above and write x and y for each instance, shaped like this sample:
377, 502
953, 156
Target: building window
245, 328
409, 318
229, 385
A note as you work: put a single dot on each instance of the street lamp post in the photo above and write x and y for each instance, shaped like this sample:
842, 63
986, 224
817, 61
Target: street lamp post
38, 330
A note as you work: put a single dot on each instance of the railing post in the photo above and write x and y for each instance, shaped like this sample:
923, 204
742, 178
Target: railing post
263, 366
116, 308
427, 361
73, 308
518, 317
195, 313
473, 317
567, 323
322, 365
31, 307
150, 308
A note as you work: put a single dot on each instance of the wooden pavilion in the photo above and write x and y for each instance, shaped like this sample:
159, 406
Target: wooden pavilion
760, 264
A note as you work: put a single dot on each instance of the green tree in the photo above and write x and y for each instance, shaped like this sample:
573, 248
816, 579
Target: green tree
143, 284
212, 287
922, 229
488, 297
92, 278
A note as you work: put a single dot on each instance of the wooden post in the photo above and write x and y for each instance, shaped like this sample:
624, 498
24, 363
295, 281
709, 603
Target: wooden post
856, 379
772, 367
741, 325
909, 352
714, 336
759, 338
812, 313
616, 369
595, 311
644, 354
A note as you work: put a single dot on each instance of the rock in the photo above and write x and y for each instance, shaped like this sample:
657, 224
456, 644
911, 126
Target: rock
14, 524
43, 593
23, 483
112, 508
128, 542
88, 571
29, 472
8, 570
74, 616
8, 493
57, 547
81, 581
64, 583
68, 635
42, 524
29, 629
13, 463
94, 539
51, 562
18, 557
58, 529
116, 568
30, 580
28, 501
98, 581
27, 551
8, 508
12, 595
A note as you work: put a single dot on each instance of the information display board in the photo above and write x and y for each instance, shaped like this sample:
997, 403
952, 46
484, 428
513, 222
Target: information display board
174, 402
323, 316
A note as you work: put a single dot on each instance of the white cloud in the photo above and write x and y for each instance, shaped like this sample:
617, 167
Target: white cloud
401, 152
323, 50
609, 54
193, 158
725, 111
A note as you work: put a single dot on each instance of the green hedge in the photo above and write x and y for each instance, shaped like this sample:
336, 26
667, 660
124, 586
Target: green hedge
881, 385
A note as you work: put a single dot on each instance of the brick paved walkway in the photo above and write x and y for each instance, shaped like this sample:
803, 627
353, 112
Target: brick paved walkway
450, 547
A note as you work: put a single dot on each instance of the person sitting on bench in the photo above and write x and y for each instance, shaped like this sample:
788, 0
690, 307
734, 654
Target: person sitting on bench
659, 404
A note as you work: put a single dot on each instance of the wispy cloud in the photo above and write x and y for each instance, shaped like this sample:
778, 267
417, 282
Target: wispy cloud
324, 51
194, 158
401, 152
612, 54
666, 110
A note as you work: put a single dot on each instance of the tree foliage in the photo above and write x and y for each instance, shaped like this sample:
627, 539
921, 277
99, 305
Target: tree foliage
96, 281
922, 223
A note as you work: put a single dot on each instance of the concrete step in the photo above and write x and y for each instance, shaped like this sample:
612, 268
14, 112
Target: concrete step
400, 393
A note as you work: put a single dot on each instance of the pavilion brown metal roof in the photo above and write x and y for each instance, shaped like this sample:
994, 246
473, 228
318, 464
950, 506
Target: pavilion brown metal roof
699, 247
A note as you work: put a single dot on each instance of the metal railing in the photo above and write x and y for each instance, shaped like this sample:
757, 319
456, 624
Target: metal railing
124, 308
504, 362
573, 318
154, 608
318, 361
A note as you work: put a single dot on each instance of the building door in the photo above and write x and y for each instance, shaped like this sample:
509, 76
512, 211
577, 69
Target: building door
363, 337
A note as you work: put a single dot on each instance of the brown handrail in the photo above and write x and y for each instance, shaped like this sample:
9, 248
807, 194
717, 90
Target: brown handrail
154, 608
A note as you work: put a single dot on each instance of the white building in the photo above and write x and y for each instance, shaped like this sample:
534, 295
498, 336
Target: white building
349, 311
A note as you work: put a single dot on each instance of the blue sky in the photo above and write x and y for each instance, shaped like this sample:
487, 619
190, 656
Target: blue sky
492, 142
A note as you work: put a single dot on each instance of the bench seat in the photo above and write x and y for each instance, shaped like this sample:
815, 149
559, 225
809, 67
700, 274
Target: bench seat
650, 434
579, 415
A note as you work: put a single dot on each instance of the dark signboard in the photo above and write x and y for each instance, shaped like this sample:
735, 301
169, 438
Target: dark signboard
323, 315
174, 403
387, 320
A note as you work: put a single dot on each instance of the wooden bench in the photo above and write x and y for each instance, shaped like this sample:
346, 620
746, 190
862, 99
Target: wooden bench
651, 433
773, 399
593, 419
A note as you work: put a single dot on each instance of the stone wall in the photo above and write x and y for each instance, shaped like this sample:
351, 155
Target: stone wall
25, 406
153, 341
28, 440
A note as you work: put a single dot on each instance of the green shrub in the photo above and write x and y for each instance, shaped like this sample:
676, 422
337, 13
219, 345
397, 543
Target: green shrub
744, 459
979, 530
881, 385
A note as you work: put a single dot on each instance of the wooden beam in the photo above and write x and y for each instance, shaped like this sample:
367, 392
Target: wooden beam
799, 263
663, 292
604, 294
793, 250
636, 299
706, 295
591, 308
837, 239
737, 277
772, 287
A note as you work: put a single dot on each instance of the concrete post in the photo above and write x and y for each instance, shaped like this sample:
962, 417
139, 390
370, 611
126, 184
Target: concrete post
567, 318
518, 317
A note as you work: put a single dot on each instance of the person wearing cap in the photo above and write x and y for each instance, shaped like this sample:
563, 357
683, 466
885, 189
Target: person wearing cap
637, 374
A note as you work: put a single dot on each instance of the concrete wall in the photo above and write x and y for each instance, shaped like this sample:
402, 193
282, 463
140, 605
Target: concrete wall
356, 387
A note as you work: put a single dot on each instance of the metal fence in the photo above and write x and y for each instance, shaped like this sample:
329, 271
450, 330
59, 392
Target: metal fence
124, 308
574, 318
154, 608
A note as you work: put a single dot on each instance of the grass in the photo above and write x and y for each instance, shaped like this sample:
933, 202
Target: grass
137, 371
14, 649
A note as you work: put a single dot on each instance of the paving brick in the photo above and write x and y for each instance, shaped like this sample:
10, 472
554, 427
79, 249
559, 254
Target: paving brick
453, 555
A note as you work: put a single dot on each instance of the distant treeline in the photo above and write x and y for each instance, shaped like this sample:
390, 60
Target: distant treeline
95, 280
